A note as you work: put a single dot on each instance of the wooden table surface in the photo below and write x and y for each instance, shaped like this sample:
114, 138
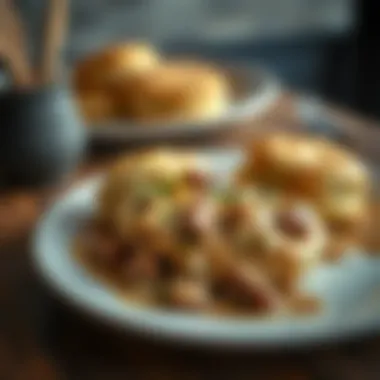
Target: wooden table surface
41, 339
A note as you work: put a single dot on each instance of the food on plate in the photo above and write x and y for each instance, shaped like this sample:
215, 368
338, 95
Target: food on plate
327, 175
100, 70
132, 81
136, 177
175, 91
167, 231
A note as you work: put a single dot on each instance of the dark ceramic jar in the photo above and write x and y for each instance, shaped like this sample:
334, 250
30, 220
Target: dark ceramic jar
41, 136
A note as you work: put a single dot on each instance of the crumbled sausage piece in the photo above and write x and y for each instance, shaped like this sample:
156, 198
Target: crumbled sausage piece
252, 287
293, 223
197, 219
140, 267
103, 247
234, 216
197, 179
244, 280
166, 266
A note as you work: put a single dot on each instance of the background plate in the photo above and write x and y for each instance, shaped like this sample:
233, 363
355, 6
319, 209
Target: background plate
256, 92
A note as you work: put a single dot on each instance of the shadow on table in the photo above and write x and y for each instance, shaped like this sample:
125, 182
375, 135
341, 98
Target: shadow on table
85, 348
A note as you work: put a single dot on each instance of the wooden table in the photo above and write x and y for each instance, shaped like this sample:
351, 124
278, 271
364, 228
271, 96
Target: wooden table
41, 339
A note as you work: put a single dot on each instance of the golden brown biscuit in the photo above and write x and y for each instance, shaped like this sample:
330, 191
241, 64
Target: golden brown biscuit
282, 160
344, 189
100, 69
335, 180
175, 91
343, 172
344, 213
95, 107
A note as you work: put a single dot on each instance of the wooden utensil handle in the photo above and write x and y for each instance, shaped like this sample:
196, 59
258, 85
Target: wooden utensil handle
13, 45
18, 67
54, 34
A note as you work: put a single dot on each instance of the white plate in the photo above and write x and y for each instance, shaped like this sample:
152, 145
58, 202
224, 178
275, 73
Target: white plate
350, 290
258, 91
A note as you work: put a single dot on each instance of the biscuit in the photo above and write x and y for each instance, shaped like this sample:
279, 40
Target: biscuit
176, 91
101, 69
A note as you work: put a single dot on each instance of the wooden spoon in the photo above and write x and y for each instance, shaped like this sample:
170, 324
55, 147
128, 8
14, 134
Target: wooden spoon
54, 37
13, 47
14, 64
